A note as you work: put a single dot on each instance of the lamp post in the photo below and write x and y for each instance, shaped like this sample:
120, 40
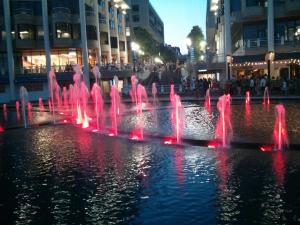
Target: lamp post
135, 48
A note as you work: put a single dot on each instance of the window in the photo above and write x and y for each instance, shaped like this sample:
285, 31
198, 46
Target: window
91, 32
135, 18
76, 31
63, 30
120, 29
135, 8
40, 33
102, 18
113, 42
101, 3
112, 25
122, 46
104, 38
26, 31
250, 3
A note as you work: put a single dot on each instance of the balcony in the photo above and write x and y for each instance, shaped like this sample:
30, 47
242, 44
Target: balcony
253, 12
23, 15
292, 7
61, 14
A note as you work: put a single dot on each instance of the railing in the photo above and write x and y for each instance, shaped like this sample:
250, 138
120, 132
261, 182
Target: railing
61, 10
89, 13
102, 21
23, 11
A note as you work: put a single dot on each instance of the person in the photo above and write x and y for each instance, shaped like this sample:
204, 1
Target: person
239, 86
263, 83
251, 85
284, 87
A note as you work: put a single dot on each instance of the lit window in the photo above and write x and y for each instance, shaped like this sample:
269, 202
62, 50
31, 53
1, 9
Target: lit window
63, 30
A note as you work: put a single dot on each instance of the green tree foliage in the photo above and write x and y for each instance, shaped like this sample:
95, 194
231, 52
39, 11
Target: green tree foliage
196, 36
151, 47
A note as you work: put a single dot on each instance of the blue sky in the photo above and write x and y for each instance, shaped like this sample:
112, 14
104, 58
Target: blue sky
179, 16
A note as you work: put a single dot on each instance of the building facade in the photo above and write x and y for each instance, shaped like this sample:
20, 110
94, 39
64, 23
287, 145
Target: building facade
36, 36
253, 37
143, 15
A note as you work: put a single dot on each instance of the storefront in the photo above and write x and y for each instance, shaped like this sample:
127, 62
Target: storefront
62, 60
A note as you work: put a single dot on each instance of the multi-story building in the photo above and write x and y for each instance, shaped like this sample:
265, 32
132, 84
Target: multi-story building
253, 37
38, 35
143, 15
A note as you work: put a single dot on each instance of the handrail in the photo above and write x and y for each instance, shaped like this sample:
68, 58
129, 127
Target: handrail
61, 10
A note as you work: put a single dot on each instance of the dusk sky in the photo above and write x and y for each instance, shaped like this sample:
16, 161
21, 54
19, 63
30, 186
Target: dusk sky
179, 16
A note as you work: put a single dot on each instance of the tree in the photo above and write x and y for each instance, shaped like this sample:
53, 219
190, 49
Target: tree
197, 37
151, 47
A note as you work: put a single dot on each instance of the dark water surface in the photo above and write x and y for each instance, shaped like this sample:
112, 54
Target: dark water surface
64, 175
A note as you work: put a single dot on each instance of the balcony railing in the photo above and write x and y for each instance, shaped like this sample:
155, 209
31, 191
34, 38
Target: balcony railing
23, 11
89, 13
64, 10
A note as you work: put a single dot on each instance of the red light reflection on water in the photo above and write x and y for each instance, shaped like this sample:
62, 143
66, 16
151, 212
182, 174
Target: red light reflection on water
222, 168
170, 140
179, 165
278, 165
137, 134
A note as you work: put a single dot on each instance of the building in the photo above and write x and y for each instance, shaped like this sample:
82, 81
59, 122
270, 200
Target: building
38, 35
143, 15
253, 37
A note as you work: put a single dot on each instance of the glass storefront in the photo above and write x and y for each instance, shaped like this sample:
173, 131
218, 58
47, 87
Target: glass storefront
62, 60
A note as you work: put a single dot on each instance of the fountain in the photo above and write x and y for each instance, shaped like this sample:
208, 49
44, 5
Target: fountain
52, 81
279, 133
41, 105
5, 111
114, 110
24, 101
154, 94
96, 73
207, 102
266, 100
84, 94
133, 90
142, 98
17, 105
247, 100
172, 93
65, 98
98, 105
177, 119
223, 132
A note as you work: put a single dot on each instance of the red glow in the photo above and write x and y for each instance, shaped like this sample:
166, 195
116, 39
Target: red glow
111, 134
94, 130
169, 141
65, 121
61, 113
41, 105
29, 106
79, 115
247, 97
17, 105
137, 135
1, 129
279, 133
85, 123
279, 167
266, 148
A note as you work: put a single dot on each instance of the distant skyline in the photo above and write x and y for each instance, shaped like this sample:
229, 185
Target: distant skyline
179, 17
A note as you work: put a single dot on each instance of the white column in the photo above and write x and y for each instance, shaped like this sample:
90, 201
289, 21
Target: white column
108, 31
84, 51
117, 32
95, 5
46, 35
227, 26
124, 31
9, 49
270, 25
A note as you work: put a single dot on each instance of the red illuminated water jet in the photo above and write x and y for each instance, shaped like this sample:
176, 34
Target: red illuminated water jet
280, 133
114, 110
247, 100
223, 132
17, 105
207, 102
177, 117
41, 105
266, 100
